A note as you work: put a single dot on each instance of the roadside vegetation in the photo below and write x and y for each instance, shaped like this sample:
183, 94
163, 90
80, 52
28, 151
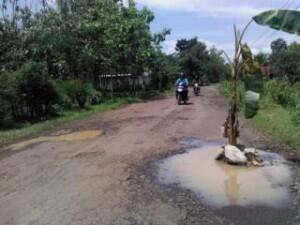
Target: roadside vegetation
66, 59
51, 60
25, 130
279, 107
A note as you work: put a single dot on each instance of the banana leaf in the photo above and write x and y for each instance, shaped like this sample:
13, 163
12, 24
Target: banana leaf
285, 20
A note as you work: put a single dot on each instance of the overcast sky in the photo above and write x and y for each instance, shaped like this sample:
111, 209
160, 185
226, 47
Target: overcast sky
212, 21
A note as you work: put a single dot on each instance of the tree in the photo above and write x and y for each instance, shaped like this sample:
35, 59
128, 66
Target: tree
283, 59
75, 40
262, 58
217, 69
193, 57
286, 63
278, 46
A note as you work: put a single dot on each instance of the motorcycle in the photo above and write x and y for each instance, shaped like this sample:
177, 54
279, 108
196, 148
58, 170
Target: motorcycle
181, 93
196, 89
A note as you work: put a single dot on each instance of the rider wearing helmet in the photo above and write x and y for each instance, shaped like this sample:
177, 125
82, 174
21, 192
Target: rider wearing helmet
182, 80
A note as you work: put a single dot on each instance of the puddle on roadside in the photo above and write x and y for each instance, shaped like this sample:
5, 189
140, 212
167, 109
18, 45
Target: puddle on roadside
221, 185
76, 136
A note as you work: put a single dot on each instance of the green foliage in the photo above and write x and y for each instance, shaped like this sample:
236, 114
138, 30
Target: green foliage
37, 93
75, 93
296, 116
225, 89
278, 46
193, 55
283, 93
285, 20
9, 99
51, 58
26, 94
31, 130
253, 82
250, 66
278, 122
198, 62
278, 112
216, 68
78, 92
262, 58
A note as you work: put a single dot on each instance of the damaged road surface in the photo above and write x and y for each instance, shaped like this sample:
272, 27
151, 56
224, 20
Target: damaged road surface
98, 177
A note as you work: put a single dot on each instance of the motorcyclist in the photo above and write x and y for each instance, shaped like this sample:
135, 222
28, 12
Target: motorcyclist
182, 80
196, 86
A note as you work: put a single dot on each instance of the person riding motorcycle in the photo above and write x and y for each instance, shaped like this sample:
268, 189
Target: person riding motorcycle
182, 80
196, 86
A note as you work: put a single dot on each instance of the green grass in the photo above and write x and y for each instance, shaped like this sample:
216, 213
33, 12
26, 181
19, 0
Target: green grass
32, 130
272, 118
277, 121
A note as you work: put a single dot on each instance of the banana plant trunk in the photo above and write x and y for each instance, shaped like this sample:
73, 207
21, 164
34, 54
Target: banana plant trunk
233, 111
232, 122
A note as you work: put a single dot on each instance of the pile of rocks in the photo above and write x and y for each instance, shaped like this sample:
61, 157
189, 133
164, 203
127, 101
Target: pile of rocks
235, 156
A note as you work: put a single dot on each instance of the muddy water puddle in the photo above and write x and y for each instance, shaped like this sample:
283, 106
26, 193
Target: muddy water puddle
222, 185
75, 136
234, 192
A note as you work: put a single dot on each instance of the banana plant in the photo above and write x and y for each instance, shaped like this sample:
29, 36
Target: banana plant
285, 20
231, 125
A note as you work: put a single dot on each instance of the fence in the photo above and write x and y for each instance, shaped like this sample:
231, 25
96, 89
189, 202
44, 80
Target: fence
123, 82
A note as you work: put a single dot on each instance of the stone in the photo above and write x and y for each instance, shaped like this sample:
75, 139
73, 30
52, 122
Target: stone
235, 155
251, 150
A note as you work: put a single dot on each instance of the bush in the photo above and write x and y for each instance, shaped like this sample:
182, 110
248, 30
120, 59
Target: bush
79, 92
64, 102
253, 83
96, 97
225, 88
26, 94
9, 99
38, 94
75, 93
283, 92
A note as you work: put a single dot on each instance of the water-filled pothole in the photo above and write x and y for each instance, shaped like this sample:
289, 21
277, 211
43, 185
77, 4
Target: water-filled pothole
220, 185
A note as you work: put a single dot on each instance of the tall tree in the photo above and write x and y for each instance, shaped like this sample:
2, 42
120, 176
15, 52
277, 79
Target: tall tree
278, 45
193, 57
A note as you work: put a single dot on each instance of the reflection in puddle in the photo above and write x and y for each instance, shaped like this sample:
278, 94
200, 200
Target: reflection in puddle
221, 185
76, 136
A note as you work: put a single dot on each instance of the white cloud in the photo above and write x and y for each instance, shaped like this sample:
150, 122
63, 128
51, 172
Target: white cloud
217, 8
235, 11
169, 46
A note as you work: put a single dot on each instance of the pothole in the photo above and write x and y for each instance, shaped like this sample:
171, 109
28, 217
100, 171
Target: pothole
219, 184
76, 136
245, 195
